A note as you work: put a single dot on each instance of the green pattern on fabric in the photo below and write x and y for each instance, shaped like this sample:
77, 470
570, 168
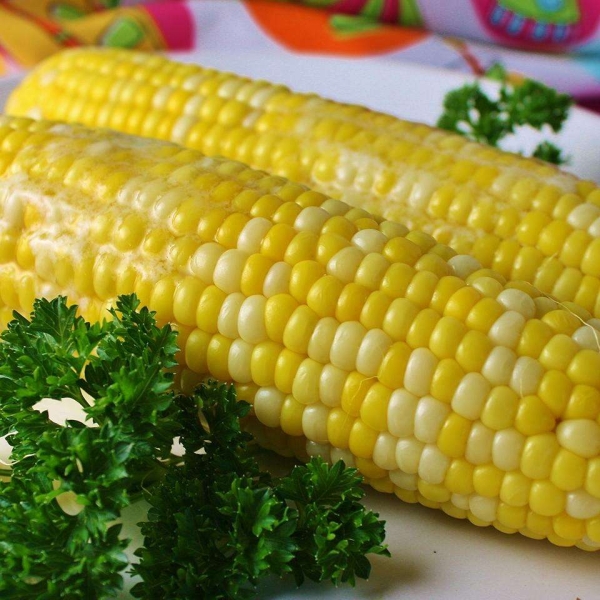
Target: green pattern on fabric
559, 12
348, 25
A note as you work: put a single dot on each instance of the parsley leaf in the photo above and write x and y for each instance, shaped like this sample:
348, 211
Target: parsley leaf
470, 112
217, 523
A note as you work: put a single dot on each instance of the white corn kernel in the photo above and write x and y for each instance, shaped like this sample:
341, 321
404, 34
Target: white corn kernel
506, 450
321, 340
429, 418
460, 501
581, 436
372, 350
433, 464
277, 280
239, 360
479, 444
314, 422
463, 265
203, 262
405, 481
587, 337
347, 341
518, 301
419, 371
384, 452
470, 396
408, 454
483, 508
338, 454
581, 505
228, 271
369, 240
267, 406
401, 413
594, 228
345, 263
499, 366
251, 320
507, 329
526, 376
331, 385
252, 235
583, 215
311, 218
227, 322
181, 128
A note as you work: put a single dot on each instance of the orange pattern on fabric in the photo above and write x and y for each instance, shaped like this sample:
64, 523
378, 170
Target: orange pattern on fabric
304, 29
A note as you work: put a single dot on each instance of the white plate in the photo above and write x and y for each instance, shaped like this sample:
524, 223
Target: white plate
434, 557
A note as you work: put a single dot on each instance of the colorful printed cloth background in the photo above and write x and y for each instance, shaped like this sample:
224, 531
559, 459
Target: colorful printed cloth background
555, 41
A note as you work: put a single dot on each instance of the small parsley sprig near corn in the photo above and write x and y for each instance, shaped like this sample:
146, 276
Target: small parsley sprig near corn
471, 112
217, 523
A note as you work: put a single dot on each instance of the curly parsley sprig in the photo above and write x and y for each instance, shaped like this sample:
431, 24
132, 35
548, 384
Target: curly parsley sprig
470, 112
217, 524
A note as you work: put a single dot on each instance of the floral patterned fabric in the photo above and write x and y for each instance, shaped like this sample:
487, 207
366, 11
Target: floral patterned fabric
556, 41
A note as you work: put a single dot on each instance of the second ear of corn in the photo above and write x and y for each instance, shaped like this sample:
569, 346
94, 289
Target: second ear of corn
525, 219
352, 337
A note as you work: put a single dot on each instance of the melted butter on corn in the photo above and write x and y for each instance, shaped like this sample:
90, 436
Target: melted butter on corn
525, 219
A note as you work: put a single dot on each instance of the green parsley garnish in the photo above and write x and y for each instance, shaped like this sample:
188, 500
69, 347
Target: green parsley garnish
217, 523
469, 111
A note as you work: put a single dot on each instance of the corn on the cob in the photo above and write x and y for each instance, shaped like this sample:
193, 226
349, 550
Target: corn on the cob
525, 219
352, 337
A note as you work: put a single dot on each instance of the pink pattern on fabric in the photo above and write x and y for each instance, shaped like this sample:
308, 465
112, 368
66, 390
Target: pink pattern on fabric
511, 28
390, 11
175, 22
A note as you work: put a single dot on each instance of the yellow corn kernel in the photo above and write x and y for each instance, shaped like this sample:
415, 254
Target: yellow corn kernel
500, 409
207, 312
362, 440
446, 337
397, 279
534, 338
217, 356
558, 352
286, 368
254, 274
546, 499
291, 416
510, 516
583, 403
534, 417
446, 379
473, 351
459, 477
374, 407
461, 303
555, 389
585, 368
538, 455
515, 489
454, 435
487, 480
355, 391
351, 302
339, 426
305, 387
420, 331
568, 471
264, 362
